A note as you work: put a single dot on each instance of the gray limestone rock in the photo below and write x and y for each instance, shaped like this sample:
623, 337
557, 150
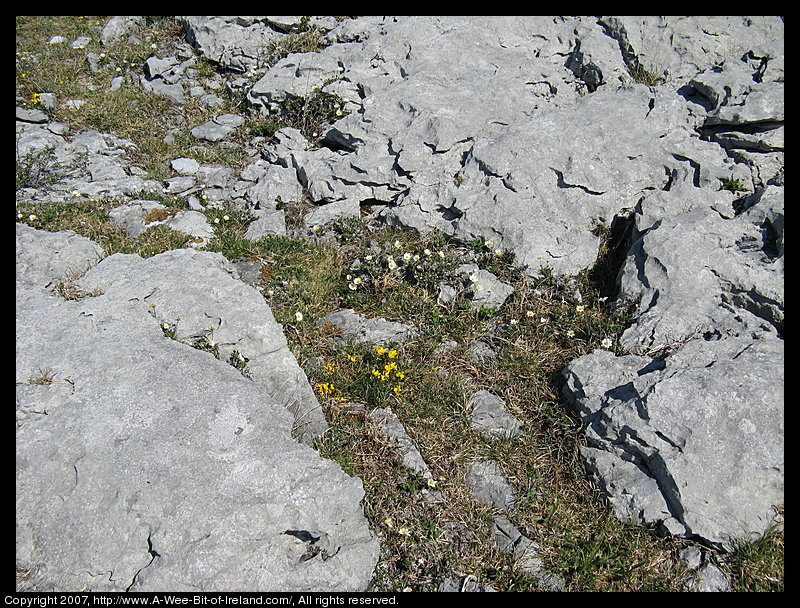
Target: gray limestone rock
486, 289
489, 415
176, 185
35, 116
515, 186
510, 540
185, 166
537, 145
273, 185
161, 88
81, 42
131, 216
464, 584
331, 212
693, 441
218, 128
157, 466
117, 28
138, 215
192, 223
391, 427
489, 485
678, 47
236, 43
360, 328
698, 273
89, 163
709, 579
67, 255
267, 223
207, 293
480, 353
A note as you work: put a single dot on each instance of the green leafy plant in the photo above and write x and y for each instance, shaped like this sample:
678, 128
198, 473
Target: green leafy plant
732, 185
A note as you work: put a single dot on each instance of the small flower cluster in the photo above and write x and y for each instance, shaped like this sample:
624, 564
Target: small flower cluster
390, 372
491, 256
325, 389
582, 314
206, 342
239, 361
426, 268
170, 329
403, 531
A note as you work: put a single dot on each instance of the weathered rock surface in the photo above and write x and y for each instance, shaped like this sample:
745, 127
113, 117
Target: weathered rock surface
211, 302
149, 465
510, 540
361, 328
389, 426
697, 273
489, 415
693, 441
489, 485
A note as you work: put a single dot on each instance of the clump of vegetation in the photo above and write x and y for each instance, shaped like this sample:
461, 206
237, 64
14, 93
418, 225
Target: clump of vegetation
732, 185
38, 169
642, 75
310, 115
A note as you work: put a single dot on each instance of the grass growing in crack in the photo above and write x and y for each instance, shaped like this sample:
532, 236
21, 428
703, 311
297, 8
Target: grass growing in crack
309, 114
732, 185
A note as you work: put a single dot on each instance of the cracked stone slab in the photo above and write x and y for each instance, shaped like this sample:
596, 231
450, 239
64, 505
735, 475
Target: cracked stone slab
692, 441
158, 466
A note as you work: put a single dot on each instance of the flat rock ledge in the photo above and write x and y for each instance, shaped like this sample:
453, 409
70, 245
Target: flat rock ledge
146, 464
